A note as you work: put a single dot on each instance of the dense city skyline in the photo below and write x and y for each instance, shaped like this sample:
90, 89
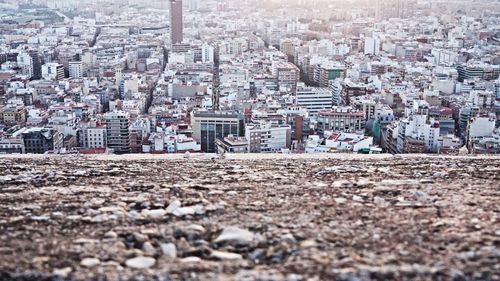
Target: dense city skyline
249, 140
385, 76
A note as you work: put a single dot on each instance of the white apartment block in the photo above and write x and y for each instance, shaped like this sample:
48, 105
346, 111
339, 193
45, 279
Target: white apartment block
314, 99
95, 137
76, 69
267, 138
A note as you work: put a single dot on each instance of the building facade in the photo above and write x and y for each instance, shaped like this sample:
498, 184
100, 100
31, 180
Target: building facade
42, 140
118, 131
176, 21
209, 126
314, 99
341, 119
268, 138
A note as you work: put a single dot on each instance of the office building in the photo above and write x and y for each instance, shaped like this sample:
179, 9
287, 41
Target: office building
314, 99
209, 126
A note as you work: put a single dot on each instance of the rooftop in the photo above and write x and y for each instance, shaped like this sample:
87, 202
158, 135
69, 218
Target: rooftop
249, 217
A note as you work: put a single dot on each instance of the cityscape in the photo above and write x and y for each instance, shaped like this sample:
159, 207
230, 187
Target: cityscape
290, 77
249, 140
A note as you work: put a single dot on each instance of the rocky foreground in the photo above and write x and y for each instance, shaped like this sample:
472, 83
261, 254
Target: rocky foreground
286, 218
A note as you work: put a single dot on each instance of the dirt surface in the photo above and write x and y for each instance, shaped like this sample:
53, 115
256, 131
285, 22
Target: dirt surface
250, 218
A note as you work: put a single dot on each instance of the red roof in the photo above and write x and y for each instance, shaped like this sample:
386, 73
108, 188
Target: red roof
446, 110
334, 136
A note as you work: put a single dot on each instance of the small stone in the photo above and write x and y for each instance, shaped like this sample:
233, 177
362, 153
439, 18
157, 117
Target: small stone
90, 262
427, 181
357, 198
148, 249
308, 243
217, 207
154, 214
225, 256
74, 217
340, 200
176, 204
62, 272
183, 211
257, 255
169, 250
134, 215
186, 211
421, 196
86, 241
379, 201
57, 215
288, 238
111, 235
79, 173
39, 218
139, 237
140, 262
235, 234
439, 175
190, 259
196, 228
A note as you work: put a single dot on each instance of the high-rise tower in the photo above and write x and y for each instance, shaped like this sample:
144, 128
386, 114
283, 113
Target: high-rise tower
176, 21
216, 85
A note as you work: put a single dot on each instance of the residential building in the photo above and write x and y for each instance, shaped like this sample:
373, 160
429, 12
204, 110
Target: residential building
118, 131
268, 138
12, 146
42, 140
341, 119
53, 71
76, 69
287, 74
12, 115
95, 137
232, 144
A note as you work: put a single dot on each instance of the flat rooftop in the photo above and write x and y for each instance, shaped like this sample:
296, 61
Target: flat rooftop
249, 217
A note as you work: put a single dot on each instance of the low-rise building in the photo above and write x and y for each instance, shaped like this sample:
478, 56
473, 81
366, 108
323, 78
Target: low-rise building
13, 115
11, 146
341, 119
232, 144
42, 140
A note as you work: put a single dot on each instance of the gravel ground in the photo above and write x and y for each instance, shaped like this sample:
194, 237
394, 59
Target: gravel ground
340, 217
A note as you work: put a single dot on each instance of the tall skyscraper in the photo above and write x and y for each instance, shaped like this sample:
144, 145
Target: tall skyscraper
176, 21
